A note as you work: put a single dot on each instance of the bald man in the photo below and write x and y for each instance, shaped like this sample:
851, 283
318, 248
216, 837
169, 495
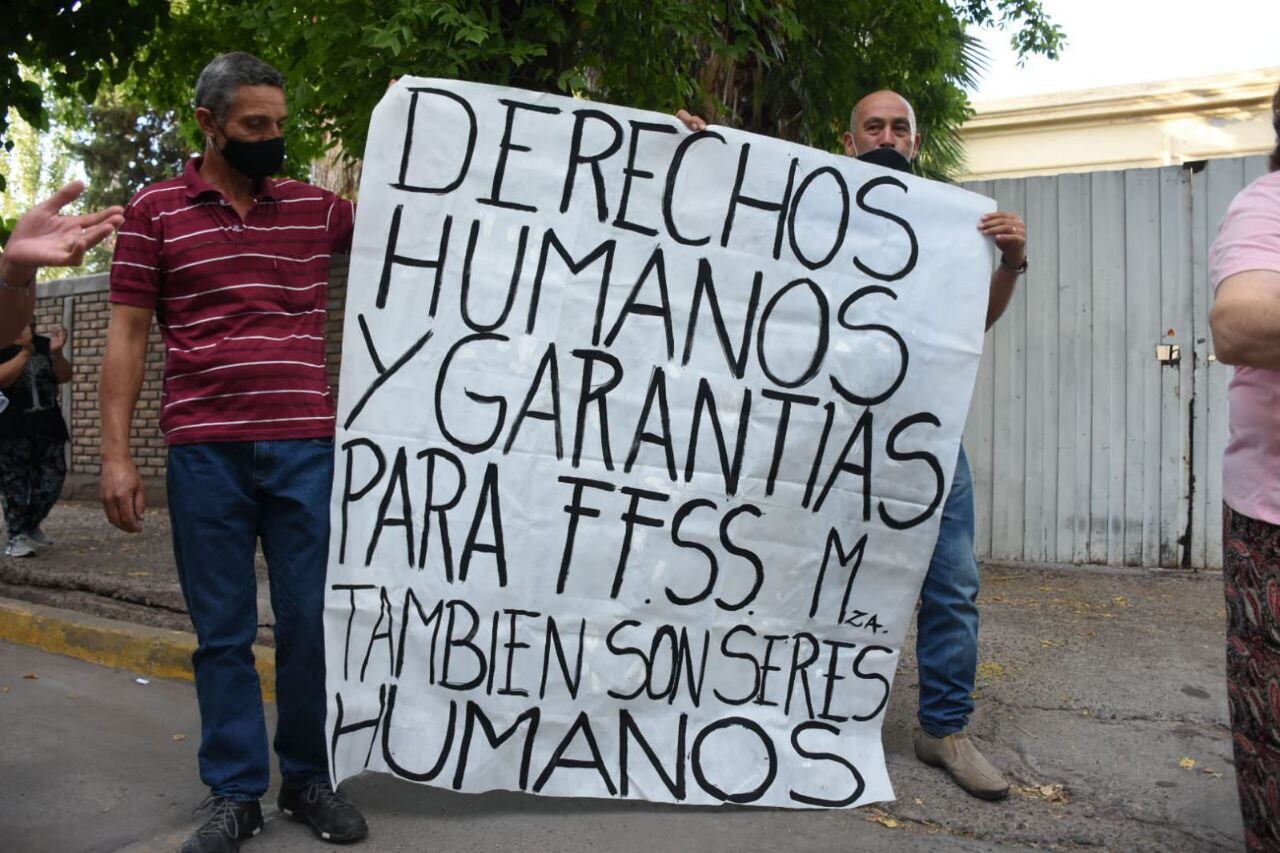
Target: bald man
947, 624
882, 129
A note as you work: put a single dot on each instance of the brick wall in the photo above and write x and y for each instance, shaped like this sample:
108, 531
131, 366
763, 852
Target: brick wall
333, 325
89, 315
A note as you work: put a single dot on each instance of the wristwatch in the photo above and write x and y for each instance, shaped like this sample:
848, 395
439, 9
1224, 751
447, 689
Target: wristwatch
1018, 270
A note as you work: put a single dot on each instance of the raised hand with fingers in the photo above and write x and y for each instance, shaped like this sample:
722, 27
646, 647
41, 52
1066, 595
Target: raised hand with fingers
45, 237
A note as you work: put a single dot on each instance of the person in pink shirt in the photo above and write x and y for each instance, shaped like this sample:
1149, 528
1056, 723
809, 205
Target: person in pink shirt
1244, 266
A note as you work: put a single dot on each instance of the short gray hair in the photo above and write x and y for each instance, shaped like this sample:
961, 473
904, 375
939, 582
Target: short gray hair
216, 87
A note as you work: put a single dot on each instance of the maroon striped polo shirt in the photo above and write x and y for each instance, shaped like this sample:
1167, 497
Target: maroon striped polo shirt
240, 304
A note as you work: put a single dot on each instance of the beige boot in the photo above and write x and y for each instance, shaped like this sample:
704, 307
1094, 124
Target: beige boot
958, 756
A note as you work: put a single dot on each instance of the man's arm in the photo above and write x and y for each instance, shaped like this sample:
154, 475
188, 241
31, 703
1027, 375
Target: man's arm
57, 347
122, 371
1245, 320
61, 367
1010, 234
1003, 282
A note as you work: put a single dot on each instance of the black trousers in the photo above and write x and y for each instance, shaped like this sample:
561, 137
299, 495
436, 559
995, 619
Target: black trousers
31, 474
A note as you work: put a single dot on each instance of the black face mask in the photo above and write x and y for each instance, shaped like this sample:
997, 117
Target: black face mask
890, 158
255, 160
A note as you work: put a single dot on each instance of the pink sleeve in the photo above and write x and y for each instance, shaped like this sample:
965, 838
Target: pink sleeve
1249, 237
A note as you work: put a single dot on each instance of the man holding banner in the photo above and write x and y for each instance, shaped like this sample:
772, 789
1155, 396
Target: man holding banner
882, 130
234, 265
947, 625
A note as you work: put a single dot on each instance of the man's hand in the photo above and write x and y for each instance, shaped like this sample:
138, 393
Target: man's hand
120, 487
57, 338
43, 237
24, 340
122, 370
1010, 233
692, 121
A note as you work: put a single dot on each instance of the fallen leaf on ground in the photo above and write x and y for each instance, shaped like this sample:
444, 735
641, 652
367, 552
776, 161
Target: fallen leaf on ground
179, 736
1055, 793
991, 671
138, 574
919, 802
6, 688
883, 818
1121, 601
31, 675
1050, 644
1187, 763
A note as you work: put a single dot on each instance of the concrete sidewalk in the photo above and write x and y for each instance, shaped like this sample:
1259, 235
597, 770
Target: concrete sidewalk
1101, 693
97, 569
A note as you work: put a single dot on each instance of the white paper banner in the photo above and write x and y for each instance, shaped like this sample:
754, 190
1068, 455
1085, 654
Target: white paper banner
643, 439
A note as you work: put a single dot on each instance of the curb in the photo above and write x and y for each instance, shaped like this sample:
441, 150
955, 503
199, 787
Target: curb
121, 645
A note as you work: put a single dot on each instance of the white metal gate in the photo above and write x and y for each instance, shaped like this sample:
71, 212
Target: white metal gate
1100, 415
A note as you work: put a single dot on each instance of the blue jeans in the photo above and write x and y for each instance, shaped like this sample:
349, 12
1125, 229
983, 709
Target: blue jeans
223, 498
947, 625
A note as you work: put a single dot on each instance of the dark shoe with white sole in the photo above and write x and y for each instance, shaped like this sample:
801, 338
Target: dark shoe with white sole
329, 813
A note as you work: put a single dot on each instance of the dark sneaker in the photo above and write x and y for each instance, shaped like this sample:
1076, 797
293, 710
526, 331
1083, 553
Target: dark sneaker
229, 823
330, 814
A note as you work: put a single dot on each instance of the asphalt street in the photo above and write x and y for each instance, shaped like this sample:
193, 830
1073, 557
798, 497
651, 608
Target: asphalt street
1101, 694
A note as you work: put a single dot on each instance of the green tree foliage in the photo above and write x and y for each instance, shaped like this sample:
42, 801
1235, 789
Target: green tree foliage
787, 68
123, 147
76, 45
36, 164
115, 146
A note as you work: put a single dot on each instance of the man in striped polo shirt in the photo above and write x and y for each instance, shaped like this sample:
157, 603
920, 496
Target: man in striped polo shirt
234, 267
